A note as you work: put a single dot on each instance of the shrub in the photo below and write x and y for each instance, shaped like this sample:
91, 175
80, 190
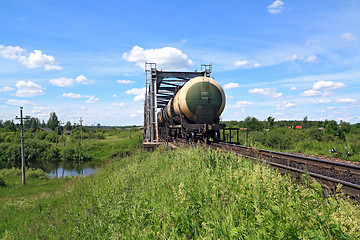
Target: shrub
2, 182
36, 173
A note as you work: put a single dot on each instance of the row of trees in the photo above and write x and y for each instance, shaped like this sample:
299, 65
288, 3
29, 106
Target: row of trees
34, 123
253, 124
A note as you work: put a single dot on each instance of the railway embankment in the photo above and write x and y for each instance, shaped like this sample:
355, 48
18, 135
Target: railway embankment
188, 193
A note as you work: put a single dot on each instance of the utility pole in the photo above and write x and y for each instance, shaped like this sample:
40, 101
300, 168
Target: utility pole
21, 118
81, 127
62, 132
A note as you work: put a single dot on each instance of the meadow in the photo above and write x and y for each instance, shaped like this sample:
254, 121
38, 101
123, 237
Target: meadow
187, 193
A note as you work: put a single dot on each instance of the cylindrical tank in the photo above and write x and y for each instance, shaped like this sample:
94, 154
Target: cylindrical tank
200, 100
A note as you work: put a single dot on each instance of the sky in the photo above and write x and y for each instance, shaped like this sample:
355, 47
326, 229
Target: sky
285, 59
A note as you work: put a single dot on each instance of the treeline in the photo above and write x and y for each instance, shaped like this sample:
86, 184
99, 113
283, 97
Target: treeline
330, 126
33, 123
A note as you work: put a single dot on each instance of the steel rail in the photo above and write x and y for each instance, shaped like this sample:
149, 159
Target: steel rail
329, 182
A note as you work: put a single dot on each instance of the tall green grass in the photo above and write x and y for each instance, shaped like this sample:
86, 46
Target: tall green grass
191, 193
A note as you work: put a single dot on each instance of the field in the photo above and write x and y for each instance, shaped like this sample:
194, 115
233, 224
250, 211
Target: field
187, 193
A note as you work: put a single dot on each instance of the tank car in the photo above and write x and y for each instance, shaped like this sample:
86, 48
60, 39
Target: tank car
194, 112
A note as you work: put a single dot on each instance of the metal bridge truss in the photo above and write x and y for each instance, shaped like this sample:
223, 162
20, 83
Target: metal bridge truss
161, 86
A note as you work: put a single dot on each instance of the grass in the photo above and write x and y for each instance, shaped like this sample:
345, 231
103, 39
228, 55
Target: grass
182, 194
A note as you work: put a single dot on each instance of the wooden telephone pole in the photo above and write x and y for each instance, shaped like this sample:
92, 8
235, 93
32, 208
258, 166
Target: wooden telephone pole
81, 128
21, 118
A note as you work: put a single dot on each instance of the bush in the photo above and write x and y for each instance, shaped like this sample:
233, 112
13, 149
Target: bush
2, 182
36, 173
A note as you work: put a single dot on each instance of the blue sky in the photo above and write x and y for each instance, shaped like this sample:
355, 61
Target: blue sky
285, 59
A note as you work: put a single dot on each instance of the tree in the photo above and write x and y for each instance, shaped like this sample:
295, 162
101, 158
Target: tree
305, 122
53, 121
270, 121
68, 126
10, 125
32, 123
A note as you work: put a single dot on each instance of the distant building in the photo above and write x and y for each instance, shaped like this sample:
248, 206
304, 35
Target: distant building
42, 129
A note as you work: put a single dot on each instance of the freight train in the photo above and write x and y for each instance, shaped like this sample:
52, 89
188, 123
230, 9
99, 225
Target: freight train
194, 111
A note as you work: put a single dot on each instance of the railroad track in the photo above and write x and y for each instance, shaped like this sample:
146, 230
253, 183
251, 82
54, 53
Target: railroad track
329, 173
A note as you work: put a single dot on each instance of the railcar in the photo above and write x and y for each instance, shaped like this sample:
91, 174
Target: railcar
194, 111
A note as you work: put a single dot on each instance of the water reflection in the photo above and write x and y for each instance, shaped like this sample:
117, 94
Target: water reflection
62, 172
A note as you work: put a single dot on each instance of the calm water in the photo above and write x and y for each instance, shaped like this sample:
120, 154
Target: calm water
61, 172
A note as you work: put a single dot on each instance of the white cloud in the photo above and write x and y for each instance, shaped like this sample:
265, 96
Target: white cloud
136, 91
348, 37
165, 58
231, 85
284, 105
242, 104
7, 89
241, 63
73, 95
346, 100
311, 58
35, 59
322, 101
276, 7
269, 92
292, 88
328, 85
229, 97
121, 104
82, 79
139, 98
62, 82
294, 57
125, 81
136, 113
311, 93
16, 102
69, 82
256, 64
115, 96
92, 99
330, 108
28, 89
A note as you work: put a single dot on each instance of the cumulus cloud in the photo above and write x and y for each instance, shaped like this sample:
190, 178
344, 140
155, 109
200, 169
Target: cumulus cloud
328, 85
120, 104
284, 105
28, 89
73, 95
311, 93
292, 88
165, 58
269, 92
62, 82
276, 7
322, 101
82, 79
92, 99
125, 81
346, 100
16, 102
138, 92
241, 63
137, 113
348, 37
231, 85
7, 89
35, 59
242, 104
69, 82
